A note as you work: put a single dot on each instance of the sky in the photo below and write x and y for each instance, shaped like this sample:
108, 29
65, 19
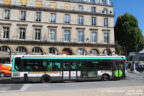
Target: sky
134, 7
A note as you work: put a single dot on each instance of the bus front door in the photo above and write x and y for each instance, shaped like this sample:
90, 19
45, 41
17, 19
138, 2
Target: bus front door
119, 71
69, 72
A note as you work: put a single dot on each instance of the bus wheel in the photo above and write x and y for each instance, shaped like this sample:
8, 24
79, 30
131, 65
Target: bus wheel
2, 75
45, 79
105, 77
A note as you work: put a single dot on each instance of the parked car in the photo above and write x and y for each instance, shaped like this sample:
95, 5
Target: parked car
140, 67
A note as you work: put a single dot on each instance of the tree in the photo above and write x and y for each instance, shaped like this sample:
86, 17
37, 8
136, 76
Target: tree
128, 34
119, 49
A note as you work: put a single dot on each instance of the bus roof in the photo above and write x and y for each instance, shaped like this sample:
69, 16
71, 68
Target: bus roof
68, 57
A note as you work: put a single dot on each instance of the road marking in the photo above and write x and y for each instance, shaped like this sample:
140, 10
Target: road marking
26, 86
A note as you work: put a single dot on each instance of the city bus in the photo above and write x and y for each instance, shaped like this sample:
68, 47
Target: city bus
63, 68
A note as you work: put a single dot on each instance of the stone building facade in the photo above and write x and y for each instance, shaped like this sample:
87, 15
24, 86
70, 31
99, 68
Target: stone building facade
56, 27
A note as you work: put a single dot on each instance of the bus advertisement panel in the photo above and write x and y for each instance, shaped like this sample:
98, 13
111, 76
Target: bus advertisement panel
5, 70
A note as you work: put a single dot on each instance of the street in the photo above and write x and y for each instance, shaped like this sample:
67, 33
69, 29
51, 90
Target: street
133, 79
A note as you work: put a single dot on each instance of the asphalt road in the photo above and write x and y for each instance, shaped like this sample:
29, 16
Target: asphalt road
133, 79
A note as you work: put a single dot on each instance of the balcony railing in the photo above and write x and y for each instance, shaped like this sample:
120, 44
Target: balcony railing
58, 40
59, 7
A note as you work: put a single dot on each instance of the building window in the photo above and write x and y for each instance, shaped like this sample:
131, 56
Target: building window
80, 7
53, 50
37, 34
67, 19
105, 21
92, 1
23, 2
5, 32
93, 9
106, 37
39, 4
21, 49
104, 2
22, 32
80, 36
52, 35
81, 51
67, 35
7, 14
107, 52
37, 50
94, 52
53, 5
23, 15
94, 37
93, 21
67, 6
53, 18
7, 2
105, 11
38, 16
80, 20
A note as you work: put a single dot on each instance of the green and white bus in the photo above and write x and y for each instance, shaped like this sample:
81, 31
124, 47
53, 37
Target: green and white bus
60, 68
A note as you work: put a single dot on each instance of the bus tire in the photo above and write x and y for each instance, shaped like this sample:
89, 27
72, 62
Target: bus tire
2, 75
45, 79
105, 77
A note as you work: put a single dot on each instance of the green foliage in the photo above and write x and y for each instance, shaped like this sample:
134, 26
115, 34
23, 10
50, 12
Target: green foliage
128, 34
119, 50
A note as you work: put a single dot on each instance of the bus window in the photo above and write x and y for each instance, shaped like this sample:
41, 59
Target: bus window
106, 64
73, 65
66, 65
17, 64
79, 65
47, 65
33, 65
56, 65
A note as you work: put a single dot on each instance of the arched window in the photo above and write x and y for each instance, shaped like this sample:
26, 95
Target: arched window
53, 50
94, 52
5, 49
81, 51
107, 52
37, 50
67, 51
21, 49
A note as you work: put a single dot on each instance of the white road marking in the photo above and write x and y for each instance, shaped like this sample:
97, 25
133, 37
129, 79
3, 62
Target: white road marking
26, 86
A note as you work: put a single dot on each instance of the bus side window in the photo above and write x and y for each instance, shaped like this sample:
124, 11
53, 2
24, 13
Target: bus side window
66, 65
47, 64
56, 65
73, 65
79, 65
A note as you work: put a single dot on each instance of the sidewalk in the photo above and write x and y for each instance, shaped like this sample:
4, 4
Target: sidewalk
119, 91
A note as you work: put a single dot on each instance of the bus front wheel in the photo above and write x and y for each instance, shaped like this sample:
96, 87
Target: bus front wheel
2, 75
45, 79
105, 77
